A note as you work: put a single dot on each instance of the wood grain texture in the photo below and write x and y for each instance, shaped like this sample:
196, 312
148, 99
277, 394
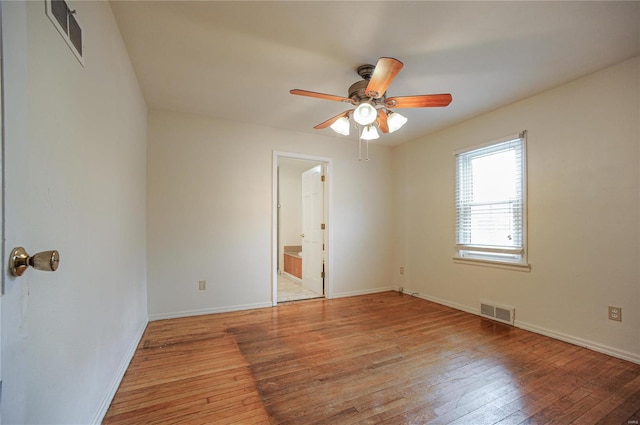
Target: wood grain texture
419, 101
383, 358
293, 265
333, 119
317, 95
383, 75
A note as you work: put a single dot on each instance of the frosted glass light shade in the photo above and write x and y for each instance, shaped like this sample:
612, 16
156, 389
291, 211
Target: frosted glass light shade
341, 126
365, 114
369, 133
395, 121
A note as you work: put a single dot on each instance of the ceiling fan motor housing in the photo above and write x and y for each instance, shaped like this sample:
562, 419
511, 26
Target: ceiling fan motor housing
356, 91
365, 71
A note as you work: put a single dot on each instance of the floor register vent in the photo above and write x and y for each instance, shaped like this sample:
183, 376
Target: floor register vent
502, 314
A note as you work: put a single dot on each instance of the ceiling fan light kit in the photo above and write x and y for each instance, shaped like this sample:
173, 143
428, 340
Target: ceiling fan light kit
365, 113
341, 126
369, 133
373, 108
395, 121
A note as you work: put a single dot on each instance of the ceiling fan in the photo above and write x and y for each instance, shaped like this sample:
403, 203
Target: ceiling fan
372, 107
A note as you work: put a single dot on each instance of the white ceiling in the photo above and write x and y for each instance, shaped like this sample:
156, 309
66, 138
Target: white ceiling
238, 60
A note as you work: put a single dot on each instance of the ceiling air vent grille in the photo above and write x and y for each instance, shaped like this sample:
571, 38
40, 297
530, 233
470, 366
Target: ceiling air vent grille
502, 314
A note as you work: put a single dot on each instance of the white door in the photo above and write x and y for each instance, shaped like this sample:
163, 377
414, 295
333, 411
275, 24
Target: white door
313, 234
16, 198
1, 185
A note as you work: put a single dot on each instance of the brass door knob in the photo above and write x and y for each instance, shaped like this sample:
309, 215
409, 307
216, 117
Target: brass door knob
20, 261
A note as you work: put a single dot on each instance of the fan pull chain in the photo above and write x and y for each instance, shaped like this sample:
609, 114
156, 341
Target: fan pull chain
360, 150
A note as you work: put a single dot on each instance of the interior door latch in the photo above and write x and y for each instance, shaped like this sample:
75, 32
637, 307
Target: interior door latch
20, 261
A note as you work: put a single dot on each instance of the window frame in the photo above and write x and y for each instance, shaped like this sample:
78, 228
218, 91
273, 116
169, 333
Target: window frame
499, 256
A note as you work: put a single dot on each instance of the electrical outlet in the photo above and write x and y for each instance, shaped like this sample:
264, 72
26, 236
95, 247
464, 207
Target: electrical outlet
615, 313
202, 285
401, 270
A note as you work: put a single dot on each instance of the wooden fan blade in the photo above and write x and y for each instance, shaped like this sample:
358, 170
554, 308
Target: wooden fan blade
420, 101
384, 73
319, 95
382, 121
331, 120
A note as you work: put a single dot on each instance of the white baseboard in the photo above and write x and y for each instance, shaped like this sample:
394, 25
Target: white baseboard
228, 309
441, 301
292, 277
189, 313
363, 292
611, 351
111, 392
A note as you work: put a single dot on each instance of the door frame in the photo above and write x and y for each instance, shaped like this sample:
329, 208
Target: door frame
2, 183
328, 214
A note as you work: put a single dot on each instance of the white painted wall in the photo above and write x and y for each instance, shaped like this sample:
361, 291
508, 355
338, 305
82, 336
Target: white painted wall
584, 236
75, 166
209, 213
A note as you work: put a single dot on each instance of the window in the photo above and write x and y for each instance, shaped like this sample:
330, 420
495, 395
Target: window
490, 202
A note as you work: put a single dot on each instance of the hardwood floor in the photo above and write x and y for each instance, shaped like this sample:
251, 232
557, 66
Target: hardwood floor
382, 358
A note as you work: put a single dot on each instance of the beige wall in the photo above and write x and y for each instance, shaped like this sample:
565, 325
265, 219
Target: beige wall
583, 206
75, 169
210, 213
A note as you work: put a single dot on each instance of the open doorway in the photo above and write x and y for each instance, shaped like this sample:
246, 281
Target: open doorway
300, 227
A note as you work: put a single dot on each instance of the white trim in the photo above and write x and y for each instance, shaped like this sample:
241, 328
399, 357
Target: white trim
506, 265
3, 268
440, 301
525, 200
328, 194
111, 392
605, 349
364, 292
201, 312
600, 348
520, 135
292, 277
482, 248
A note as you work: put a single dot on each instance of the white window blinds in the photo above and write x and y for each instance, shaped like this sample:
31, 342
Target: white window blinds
490, 201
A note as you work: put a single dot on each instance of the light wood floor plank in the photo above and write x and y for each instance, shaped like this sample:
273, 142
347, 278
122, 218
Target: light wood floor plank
377, 359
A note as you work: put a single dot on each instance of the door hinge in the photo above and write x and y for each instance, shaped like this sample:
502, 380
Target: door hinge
322, 226
322, 275
321, 178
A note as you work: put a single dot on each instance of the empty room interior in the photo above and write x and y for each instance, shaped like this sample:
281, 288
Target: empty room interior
320, 212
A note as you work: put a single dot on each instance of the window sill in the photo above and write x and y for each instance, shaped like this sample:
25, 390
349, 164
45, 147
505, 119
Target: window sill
494, 264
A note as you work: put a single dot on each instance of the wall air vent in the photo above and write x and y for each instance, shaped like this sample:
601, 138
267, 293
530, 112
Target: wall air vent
502, 314
66, 22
